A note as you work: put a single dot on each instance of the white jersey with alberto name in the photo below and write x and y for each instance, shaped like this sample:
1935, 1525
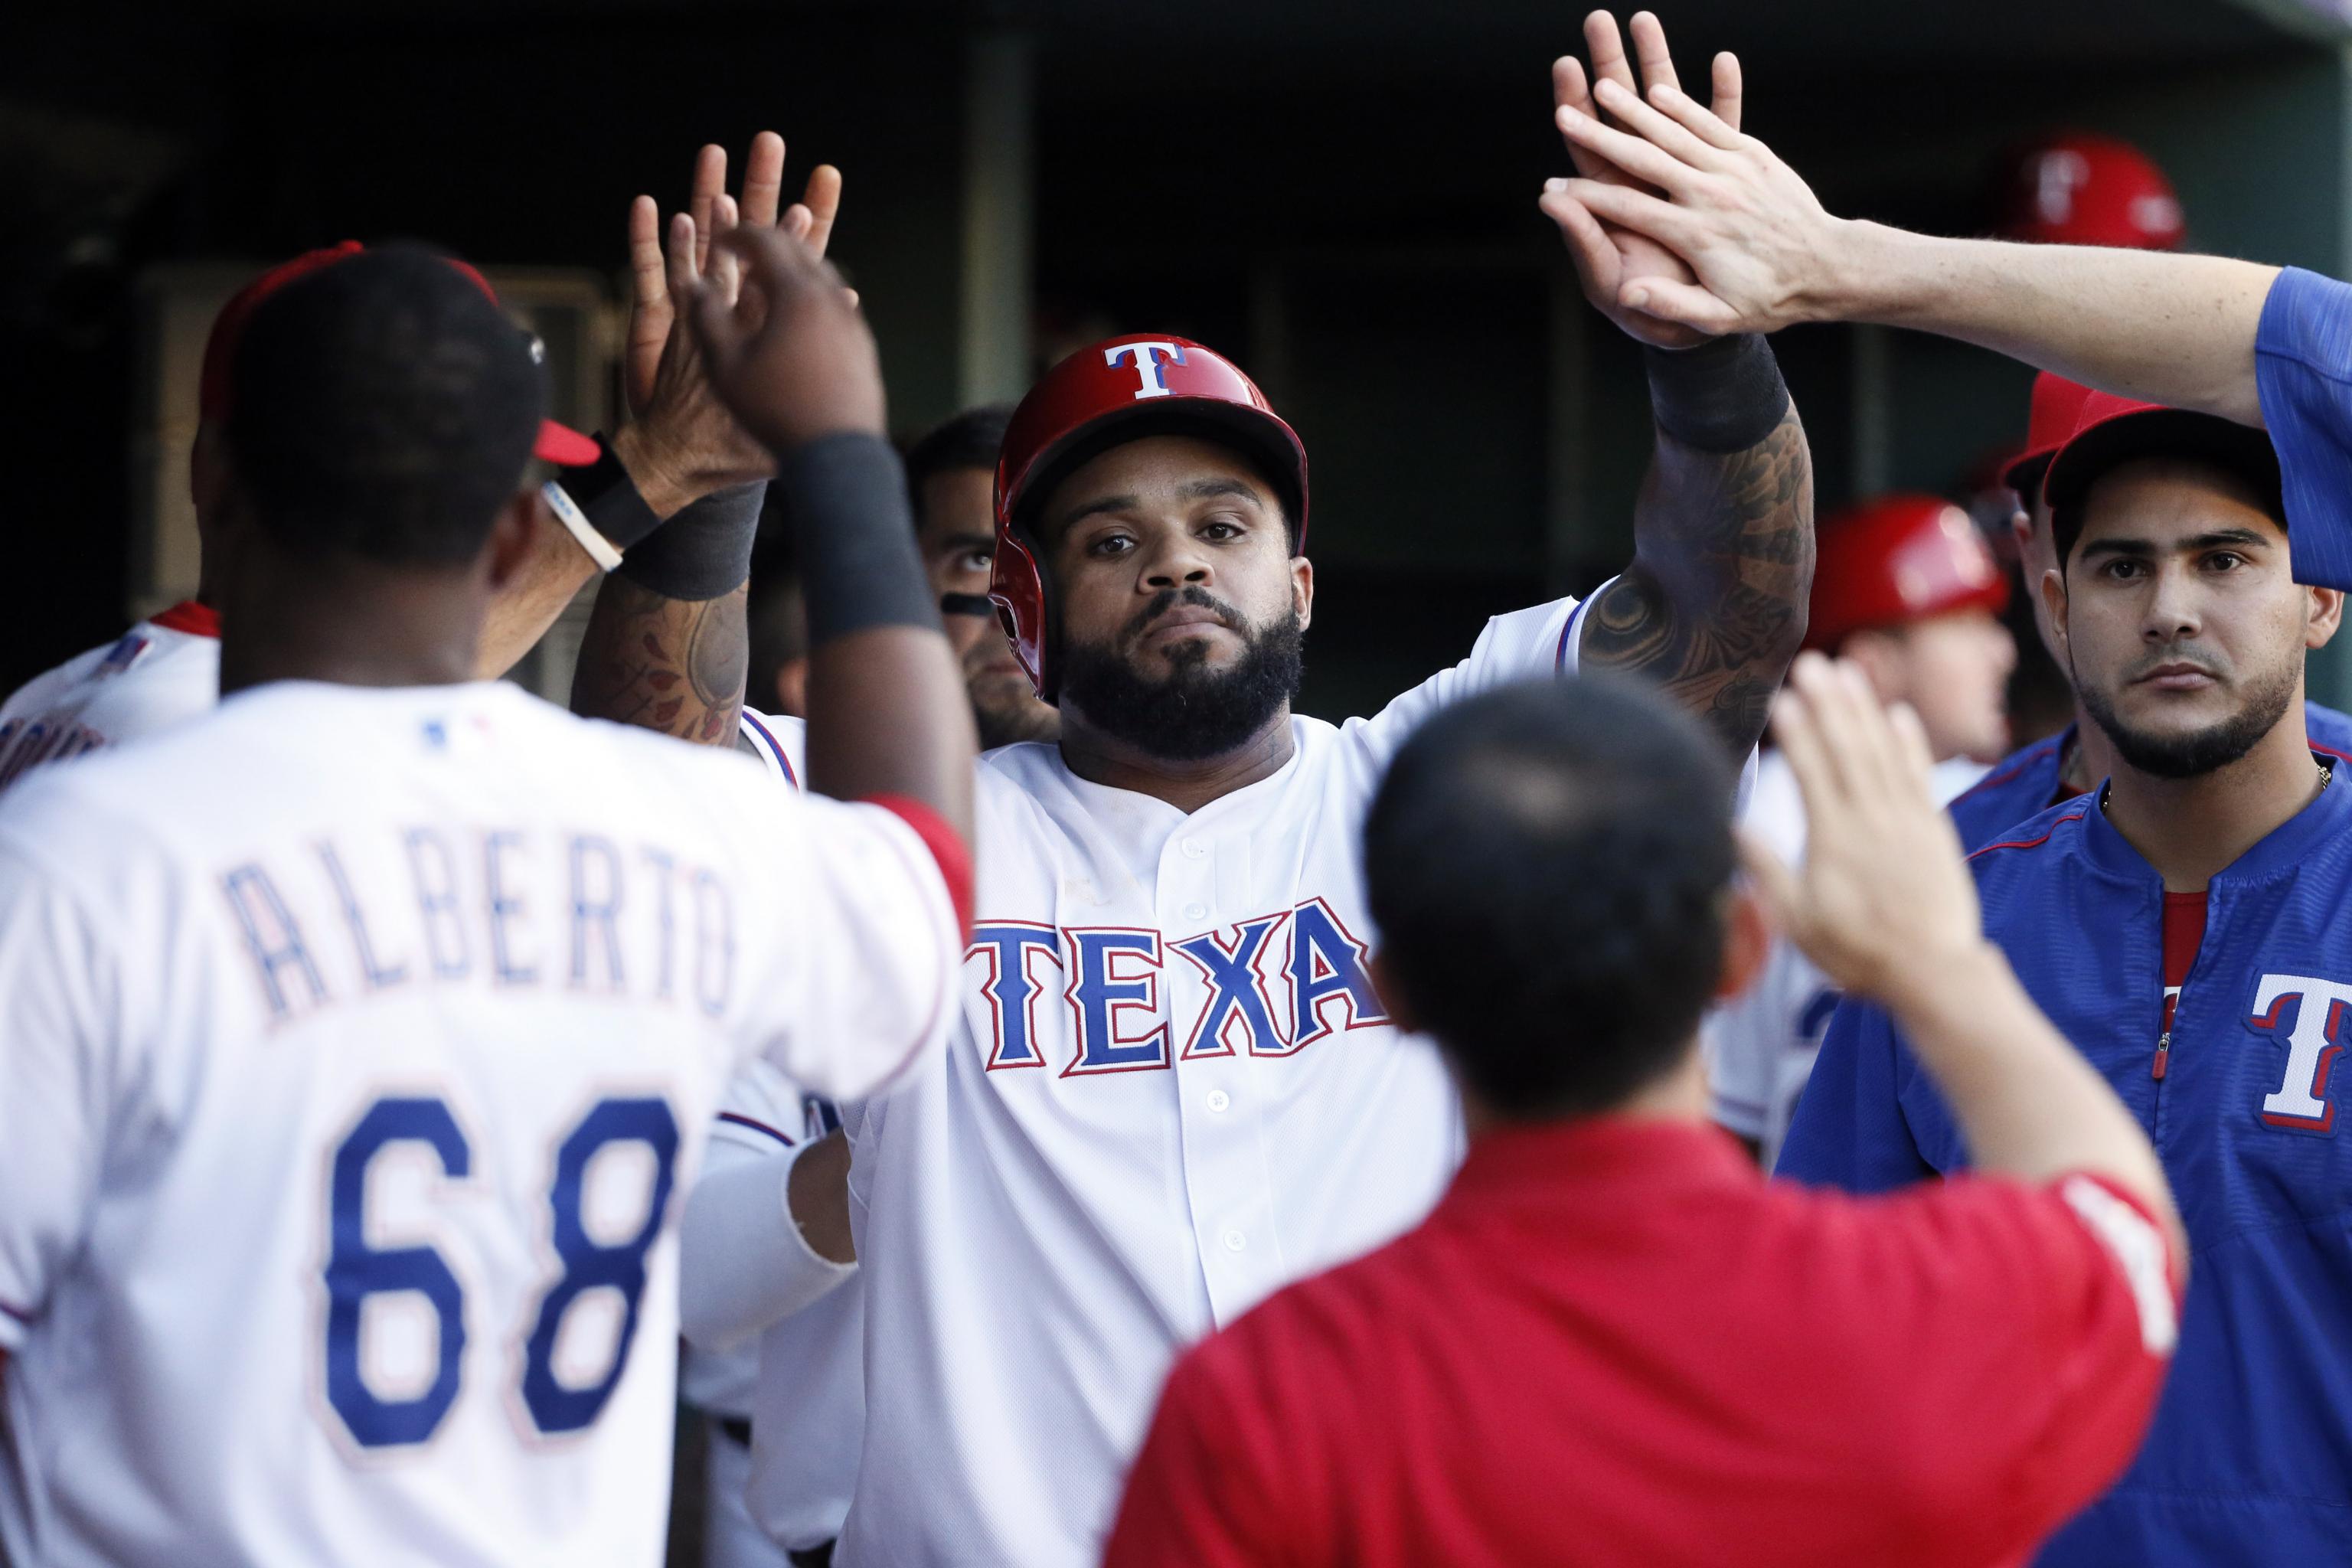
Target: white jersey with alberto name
1759, 1046
162, 672
356, 1045
1172, 1092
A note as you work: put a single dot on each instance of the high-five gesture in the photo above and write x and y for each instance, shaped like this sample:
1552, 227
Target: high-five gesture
787, 350
1883, 896
1683, 176
681, 442
1762, 253
1610, 257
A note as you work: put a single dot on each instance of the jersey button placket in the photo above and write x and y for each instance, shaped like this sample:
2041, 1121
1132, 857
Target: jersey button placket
1224, 1170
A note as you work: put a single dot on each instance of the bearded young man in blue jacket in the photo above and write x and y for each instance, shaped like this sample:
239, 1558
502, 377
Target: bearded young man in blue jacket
2059, 768
2184, 621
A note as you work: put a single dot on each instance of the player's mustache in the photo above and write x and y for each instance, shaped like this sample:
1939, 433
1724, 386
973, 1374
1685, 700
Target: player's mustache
2187, 653
1167, 599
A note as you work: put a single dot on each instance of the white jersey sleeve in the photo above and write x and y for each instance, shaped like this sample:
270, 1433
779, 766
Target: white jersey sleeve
781, 745
1520, 646
876, 975
744, 1264
60, 1063
157, 675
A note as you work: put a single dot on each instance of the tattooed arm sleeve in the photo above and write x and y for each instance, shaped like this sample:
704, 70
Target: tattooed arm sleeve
1713, 607
672, 665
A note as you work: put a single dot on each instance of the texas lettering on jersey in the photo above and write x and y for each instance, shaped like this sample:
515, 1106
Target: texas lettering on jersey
1274, 985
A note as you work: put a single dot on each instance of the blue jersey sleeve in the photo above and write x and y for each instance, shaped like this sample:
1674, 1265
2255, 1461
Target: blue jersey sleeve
1850, 1131
2303, 368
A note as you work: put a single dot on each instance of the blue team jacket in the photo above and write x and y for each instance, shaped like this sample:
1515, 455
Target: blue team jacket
2022, 783
2250, 1461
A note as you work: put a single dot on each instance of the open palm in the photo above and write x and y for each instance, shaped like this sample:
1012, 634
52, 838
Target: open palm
1607, 257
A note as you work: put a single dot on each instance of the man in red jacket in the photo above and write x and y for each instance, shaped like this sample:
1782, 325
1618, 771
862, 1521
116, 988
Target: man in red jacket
1613, 1342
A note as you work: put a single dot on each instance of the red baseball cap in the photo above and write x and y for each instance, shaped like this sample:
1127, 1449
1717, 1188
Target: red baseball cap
2080, 189
2056, 409
2113, 430
1895, 560
557, 442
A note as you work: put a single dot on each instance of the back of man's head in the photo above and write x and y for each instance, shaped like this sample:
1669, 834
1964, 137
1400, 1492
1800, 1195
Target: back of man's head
1549, 864
383, 409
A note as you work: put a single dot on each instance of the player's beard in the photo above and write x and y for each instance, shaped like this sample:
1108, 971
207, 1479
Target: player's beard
1194, 713
2198, 751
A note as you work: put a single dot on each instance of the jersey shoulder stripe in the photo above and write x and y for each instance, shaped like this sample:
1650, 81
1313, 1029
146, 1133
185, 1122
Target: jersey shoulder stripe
738, 1119
765, 740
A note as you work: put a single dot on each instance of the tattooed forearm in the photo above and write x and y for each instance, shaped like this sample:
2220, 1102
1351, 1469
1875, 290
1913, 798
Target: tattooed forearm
672, 665
1713, 607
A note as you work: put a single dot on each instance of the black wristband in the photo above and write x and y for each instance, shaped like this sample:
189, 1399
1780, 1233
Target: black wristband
854, 530
703, 552
608, 498
1721, 397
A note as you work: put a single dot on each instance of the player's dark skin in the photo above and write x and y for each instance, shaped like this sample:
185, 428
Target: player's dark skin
679, 664
1712, 606
292, 616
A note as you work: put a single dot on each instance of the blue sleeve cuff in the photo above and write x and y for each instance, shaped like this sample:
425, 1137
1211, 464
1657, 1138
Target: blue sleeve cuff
2303, 369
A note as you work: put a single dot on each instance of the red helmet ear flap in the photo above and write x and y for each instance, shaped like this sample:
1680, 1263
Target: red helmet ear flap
1016, 586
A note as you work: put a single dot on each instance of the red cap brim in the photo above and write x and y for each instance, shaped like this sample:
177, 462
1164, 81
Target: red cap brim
563, 447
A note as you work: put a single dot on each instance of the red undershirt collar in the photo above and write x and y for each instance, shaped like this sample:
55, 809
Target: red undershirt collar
187, 616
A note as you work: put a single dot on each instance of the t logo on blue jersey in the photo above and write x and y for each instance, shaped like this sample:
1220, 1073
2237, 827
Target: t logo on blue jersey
2301, 1102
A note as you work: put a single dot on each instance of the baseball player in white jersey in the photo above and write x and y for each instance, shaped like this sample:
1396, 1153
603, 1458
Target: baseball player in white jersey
775, 1327
678, 449
1172, 1087
163, 669
1907, 588
755, 1283
754, 1286
359, 1033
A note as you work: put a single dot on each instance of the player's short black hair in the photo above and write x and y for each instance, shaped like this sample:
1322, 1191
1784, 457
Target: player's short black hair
1548, 866
971, 439
383, 409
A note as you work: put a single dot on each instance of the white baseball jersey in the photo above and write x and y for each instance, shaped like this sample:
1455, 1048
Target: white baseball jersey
805, 1397
1759, 1046
1172, 1091
808, 1405
356, 1043
161, 672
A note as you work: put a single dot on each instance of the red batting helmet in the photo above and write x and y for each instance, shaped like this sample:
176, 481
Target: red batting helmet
1120, 390
2077, 189
1899, 559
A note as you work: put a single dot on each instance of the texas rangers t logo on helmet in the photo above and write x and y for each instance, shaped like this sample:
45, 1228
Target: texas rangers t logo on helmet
1147, 363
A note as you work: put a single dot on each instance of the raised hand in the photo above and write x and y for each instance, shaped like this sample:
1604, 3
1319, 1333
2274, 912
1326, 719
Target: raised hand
1885, 898
786, 348
1610, 258
681, 442
1755, 241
